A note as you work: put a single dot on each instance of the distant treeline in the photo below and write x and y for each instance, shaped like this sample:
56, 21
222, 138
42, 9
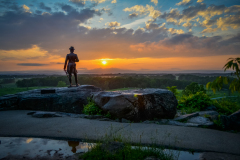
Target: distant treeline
199, 79
107, 83
7, 80
21, 76
120, 81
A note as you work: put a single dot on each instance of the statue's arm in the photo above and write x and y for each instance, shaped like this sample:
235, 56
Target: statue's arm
65, 64
77, 60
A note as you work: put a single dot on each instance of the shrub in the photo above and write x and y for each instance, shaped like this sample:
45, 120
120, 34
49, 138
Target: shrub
91, 108
194, 102
61, 84
193, 88
226, 106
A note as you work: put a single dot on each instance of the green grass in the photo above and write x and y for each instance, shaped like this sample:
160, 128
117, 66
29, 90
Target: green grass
126, 153
13, 89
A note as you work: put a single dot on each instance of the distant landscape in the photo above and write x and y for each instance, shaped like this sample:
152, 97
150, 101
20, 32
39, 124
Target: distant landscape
11, 84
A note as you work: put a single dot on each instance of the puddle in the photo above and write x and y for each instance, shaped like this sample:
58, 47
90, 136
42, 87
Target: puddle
40, 147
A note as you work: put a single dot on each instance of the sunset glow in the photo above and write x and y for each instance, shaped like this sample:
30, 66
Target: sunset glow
104, 62
125, 36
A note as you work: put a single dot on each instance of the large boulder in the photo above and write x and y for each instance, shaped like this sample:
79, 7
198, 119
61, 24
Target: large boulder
138, 105
61, 99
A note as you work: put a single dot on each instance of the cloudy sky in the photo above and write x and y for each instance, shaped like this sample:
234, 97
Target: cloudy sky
140, 35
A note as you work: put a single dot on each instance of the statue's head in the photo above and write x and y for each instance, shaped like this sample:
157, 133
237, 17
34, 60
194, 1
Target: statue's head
71, 49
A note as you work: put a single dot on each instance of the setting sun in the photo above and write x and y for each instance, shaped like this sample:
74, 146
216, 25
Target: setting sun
104, 62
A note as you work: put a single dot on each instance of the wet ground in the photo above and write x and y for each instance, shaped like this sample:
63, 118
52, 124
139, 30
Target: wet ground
40, 148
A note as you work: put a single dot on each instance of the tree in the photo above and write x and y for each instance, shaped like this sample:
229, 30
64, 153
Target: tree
174, 90
193, 88
217, 84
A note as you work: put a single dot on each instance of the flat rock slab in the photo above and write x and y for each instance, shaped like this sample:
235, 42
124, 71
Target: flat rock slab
201, 121
18, 124
45, 114
63, 99
138, 105
186, 117
210, 113
176, 123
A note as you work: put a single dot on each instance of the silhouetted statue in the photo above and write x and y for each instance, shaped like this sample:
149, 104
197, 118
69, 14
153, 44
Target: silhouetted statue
71, 67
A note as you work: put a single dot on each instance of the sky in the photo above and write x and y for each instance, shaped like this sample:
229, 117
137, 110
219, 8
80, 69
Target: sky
119, 35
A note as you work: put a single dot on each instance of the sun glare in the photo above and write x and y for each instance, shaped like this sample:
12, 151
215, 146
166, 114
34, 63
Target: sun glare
104, 62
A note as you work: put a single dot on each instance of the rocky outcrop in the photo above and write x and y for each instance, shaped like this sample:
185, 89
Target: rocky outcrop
138, 105
51, 99
230, 122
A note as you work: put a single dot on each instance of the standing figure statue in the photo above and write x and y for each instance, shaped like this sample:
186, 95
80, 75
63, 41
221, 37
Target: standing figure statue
71, 67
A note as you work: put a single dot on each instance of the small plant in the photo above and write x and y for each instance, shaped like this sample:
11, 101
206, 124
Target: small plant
218, 123
91, 108
108, 115
61, 84
194, 102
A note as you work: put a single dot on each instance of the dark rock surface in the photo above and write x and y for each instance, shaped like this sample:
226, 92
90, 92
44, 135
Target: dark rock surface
210, 108
45, 114
63, 100
230, 122
201, 121
218, 156
235, 118
208, 113
186, 117
138, 105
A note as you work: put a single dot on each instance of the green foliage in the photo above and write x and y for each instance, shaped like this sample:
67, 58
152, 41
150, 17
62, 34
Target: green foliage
126, 153
61, 84
194, 102
193, 88
91, 108
108, 115
226, 106
218, 83
174, 90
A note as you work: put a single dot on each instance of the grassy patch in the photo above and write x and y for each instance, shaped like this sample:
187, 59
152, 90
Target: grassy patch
14, 90
126, 153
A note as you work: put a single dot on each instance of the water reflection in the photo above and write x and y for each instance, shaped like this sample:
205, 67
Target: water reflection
32, 147
40, 147
73, 144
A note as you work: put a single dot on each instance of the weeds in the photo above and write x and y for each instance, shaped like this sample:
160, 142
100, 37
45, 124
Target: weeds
127, 153
91, 108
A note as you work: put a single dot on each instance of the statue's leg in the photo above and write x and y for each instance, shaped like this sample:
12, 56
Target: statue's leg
70, 79
76, 80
